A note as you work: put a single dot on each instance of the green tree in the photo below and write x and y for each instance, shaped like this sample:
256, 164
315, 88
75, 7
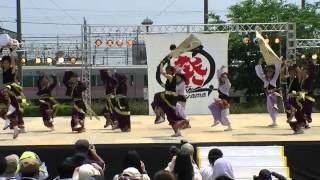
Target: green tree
242, 57
254, 11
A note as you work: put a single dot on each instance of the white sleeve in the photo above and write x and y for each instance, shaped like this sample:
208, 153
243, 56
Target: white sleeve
276, 73
116, 177
259, 72
171, 165
145, 177
219, 72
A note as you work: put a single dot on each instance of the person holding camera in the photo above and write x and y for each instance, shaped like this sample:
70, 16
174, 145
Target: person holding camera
89, 153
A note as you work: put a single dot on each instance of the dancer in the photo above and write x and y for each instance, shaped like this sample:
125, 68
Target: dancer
307, 75
169, 86
9, 108
220, 107
121, 104
111, 84
165, 102
8, 66
269, 77
75, 88
293, 110
160, 115
47, 103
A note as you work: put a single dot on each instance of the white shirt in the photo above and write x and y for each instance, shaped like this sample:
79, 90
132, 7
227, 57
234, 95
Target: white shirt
180, 88
225, 87
262, 76
144, 177
206, 172
222, 167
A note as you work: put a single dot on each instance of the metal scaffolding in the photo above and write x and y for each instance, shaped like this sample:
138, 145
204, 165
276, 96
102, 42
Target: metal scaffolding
308, 43
93, 32
86, 62
288, 28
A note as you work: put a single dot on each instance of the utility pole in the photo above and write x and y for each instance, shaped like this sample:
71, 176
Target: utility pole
303, 4
19, 38
205, 13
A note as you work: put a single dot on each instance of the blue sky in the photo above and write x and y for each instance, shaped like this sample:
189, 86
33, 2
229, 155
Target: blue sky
106, 12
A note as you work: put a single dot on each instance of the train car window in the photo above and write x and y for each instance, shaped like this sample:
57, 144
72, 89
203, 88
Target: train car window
60, 80
145, 80
131, 80
99, 81
27, 81
93, 80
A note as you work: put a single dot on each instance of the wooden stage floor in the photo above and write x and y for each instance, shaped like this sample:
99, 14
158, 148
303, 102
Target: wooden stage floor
247, 128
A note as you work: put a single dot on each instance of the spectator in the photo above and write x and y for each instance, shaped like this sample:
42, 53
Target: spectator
91, 156
65, 170
12, 165
87, 172
131, 173
43, 173
265, 174
222, 169
164, 175
173, 151
132, 159
78, 159
186, 148
184, 169
29, 169
3, 166
213, 155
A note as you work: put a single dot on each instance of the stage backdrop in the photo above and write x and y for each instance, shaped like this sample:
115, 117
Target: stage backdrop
199, 65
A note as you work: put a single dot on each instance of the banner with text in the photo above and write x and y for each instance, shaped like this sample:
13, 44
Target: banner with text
198, 55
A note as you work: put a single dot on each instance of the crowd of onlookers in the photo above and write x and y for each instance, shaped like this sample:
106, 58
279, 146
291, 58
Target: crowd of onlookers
86, 164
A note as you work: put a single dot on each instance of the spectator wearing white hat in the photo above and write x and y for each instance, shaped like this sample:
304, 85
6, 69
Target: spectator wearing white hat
87, 172
131, 173
132, 159
12, 165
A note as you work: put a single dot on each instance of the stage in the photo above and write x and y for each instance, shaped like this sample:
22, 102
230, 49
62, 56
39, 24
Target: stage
246, 128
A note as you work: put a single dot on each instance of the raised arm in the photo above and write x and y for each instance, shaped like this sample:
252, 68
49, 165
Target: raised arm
226, 86
259, 72
219, 72
276, 72
163, 72
13, 61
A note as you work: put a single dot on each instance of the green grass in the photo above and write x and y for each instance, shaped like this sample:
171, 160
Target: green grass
33, 110
137, 107
140, 107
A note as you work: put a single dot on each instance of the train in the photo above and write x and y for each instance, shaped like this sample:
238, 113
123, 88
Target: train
136, 75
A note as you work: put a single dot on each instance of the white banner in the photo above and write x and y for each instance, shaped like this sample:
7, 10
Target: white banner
199, 65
